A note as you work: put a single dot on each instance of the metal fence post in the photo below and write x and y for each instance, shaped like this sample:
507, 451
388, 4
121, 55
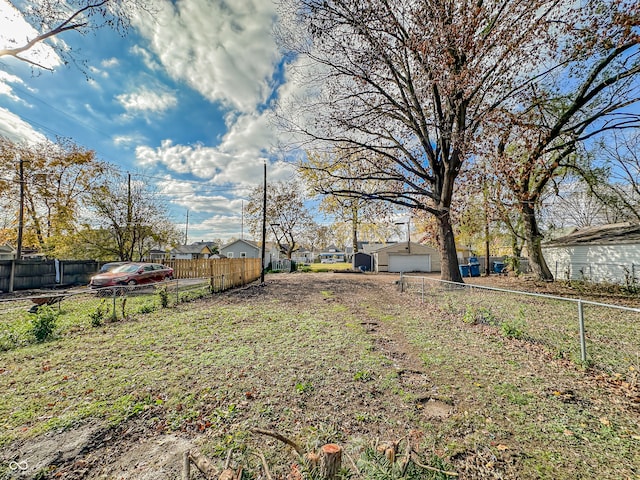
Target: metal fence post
114, 315
177, 292
583, 344
401, 282
422, 290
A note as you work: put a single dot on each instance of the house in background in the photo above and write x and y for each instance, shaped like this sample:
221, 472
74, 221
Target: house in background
606, 253
155, 255
241, 249
7, 252
406, 257
192, 252
332, 255
302, 255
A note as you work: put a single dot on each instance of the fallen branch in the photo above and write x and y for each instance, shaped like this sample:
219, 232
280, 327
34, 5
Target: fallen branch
265, 465
280, 437
203, 464
433, 469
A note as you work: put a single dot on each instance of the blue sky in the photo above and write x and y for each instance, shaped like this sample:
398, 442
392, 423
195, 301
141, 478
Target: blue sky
182, 102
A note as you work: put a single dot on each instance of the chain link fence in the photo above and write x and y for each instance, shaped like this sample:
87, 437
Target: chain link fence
603, 336
82, 307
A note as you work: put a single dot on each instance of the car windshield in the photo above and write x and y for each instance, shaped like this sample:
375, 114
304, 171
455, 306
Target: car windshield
126, 268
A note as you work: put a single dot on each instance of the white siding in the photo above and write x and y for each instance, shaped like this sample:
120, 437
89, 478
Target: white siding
596, 263
409, 263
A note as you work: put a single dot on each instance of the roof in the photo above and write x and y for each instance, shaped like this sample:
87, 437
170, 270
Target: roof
193, 248
612, 234
6, 249
418, 248
250, 243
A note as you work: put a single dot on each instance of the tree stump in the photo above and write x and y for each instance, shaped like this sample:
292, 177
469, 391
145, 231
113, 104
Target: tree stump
330, 461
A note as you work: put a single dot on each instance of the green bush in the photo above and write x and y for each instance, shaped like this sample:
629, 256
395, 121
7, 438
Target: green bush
97, 316
43, 323
147, 308
514, 328
163, 293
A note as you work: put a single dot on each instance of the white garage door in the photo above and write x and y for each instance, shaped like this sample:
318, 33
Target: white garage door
409, 263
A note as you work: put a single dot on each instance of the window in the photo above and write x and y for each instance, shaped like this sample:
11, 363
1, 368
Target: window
229, 254
243, 254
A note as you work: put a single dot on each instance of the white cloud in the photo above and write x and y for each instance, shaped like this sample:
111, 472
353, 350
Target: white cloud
16, 129
5, 88
237, 160
147, 57
128, 140
16, 32
145, 100
110, 62
224, 50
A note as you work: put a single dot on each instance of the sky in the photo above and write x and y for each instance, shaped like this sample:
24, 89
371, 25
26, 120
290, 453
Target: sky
182, 102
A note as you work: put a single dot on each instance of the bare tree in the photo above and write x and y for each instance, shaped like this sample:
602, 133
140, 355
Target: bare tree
361, 214
126, 220
596, 79
406, 87
52, 18
617, 182
287, 216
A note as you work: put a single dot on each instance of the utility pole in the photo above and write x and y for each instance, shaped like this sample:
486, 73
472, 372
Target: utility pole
186, 230
12, 273
264, 223
21, 212
129, 236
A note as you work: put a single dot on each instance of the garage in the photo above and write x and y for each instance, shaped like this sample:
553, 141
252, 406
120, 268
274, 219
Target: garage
403, 257
409, 263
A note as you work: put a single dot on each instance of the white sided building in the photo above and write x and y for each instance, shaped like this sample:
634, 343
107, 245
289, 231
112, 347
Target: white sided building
602, 254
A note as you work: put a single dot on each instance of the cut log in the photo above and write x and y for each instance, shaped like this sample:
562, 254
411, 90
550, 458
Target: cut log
204, 465
227, 474
330, 461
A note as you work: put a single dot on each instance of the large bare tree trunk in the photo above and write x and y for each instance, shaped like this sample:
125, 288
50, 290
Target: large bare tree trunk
447, 246
534, 238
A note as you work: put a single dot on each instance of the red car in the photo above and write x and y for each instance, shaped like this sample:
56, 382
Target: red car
133, 273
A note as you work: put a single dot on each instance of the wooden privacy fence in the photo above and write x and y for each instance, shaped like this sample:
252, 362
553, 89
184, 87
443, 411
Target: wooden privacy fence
224, 273
33, 274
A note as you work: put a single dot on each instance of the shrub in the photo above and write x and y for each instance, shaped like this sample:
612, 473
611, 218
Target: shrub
163, 293
514, 328
43, 323
147, 308
97, 316
474, 316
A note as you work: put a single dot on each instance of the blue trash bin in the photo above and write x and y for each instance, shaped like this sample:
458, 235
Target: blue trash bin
474, 269
464, 270
498, 267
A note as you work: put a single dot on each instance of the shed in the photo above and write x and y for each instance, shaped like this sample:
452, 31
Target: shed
406, 257
362, 261
606, 253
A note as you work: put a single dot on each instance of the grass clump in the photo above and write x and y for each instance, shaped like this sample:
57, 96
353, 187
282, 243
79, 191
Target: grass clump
514, 328
97, 316
43, 323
